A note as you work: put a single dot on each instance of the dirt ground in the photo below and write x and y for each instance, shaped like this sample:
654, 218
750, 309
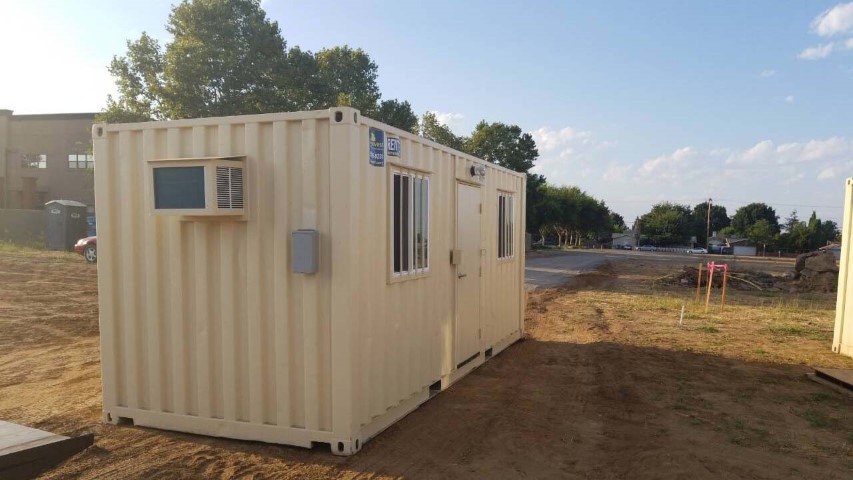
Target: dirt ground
606, 385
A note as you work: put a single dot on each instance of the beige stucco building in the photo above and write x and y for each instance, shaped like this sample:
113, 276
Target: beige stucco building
45, 157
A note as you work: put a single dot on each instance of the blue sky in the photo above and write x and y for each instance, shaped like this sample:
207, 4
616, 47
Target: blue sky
636, 102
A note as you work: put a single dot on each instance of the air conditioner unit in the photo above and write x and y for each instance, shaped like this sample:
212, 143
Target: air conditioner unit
208, 186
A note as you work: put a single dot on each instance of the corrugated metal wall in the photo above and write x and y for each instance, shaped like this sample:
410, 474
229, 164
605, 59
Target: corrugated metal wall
203, 318
842, 341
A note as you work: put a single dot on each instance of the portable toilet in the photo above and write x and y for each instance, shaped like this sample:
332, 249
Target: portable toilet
65, 224
297, 278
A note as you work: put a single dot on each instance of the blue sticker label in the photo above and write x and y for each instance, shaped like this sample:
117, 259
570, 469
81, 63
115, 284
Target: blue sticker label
377, 147
394, 147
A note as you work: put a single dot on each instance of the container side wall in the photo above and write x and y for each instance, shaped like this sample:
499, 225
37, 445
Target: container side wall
404, 335
203, 318
842, 341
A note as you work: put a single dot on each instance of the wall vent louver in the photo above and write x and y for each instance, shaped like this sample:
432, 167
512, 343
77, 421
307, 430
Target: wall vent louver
229, 187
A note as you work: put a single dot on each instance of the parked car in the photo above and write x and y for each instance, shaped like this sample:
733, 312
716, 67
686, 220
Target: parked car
647, 248
88, 247
697, 250
627, 247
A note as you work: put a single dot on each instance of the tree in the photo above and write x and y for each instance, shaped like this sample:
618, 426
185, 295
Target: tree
398, 114
225, 58
746, 216
761, 232
719, 220
139, 79
668, 224
504, 145
302, 83
438, 132
617, 223
791, 221
348, 77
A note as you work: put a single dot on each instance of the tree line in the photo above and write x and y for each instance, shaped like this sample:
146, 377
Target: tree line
225, 57
674, 224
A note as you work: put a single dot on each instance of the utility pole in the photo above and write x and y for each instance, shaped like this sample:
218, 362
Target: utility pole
708, 231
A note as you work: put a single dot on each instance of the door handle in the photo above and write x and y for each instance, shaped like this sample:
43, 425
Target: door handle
462, 275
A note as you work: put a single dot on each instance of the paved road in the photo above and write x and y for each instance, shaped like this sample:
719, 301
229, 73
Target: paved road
553, 269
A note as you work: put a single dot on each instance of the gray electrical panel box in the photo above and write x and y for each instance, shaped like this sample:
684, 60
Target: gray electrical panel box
304, 251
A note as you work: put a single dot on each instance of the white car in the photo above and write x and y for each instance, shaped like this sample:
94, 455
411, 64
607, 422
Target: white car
697, 250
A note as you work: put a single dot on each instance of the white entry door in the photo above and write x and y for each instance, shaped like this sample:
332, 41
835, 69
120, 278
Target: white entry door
467, 273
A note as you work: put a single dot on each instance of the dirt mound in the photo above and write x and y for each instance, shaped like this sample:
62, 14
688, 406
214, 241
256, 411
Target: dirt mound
816, 272
740, 280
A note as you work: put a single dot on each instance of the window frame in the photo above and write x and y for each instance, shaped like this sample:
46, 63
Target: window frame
411, 255
506, 244
41, 164
88, 161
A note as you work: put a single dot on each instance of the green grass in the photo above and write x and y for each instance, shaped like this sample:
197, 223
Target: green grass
788, 330
8, 247
818, 397
797, 331
816, 419
709, 329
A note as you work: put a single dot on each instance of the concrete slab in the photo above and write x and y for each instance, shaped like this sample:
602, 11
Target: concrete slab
27, 452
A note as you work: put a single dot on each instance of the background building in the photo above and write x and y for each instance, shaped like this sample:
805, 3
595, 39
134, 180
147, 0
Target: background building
45, 157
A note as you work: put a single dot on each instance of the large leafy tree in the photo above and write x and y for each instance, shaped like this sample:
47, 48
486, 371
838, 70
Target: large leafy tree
617, 222
398, 114
801, 236
668, 224
719, 220
433, 129
348, 77
502, 144
227, 58
747, 216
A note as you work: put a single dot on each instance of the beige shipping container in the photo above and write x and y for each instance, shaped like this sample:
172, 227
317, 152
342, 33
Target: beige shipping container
842, 340
297, 278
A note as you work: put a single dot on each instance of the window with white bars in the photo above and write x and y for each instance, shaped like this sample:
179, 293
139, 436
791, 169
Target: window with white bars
410, 221
505, 226
84, 161
34, 160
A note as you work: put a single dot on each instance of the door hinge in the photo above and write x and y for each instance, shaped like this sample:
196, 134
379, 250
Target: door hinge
480, 333
481, 208
481, 271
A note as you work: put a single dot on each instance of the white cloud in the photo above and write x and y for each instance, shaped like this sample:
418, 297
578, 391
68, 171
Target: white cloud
789, 99
827, 173
616, 173
549, 140
767, 73
817, 52
668, 166
767, 153
451, 119
834, 21
848, 44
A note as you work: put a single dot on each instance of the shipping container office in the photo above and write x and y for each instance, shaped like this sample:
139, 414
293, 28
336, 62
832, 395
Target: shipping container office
842, 340
212, 321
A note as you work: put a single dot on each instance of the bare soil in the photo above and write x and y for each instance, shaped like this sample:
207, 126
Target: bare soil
606, 385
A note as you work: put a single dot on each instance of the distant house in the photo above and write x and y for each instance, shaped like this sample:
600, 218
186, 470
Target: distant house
624, 239
742, 247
